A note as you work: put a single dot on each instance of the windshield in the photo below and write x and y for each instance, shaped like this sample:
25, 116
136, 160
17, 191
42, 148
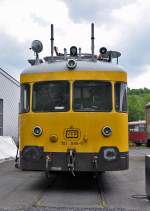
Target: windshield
92, 96
51, 96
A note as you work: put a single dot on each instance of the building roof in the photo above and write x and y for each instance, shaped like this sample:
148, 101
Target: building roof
60, 66
9, 77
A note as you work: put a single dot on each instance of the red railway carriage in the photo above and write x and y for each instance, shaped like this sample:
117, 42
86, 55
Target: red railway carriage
137, 132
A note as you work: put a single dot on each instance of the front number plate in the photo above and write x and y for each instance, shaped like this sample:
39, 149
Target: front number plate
72, 134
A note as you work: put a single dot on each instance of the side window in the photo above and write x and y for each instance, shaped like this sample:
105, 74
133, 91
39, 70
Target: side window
141, 127
25, 98
121, 97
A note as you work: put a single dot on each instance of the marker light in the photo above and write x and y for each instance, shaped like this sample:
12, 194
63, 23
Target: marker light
103, 50
37, 131
73, 51
71, 64
106, 131
53, 138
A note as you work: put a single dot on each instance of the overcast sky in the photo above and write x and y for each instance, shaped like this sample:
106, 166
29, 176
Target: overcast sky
122, 25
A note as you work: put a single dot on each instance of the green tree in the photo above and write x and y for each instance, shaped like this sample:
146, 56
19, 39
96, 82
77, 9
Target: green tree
137, 99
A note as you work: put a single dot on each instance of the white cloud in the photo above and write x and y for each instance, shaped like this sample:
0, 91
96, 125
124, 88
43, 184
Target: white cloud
88, 10
133, 13
20, 23
142, 80
119, 25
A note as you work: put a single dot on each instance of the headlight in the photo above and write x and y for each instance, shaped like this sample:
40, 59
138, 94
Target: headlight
110, 154
71, 64
37, 131
106, 131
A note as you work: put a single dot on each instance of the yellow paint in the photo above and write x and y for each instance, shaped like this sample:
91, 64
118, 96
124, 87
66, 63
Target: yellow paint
89, 124
74, 75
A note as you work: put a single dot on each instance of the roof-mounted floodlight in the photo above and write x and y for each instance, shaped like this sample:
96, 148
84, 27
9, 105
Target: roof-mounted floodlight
103, 50
37, 46
73, 51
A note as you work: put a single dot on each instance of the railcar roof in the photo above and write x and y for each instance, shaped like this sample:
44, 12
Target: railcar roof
60, 66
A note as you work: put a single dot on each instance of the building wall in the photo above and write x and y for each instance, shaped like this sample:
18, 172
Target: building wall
9, 92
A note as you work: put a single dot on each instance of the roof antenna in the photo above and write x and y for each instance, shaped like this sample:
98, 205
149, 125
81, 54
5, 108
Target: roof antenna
52, 40
92, 40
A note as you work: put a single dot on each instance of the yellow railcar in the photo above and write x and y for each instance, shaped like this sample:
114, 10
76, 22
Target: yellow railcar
73, 113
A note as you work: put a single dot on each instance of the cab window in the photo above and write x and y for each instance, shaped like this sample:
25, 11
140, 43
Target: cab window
93, 96
51, 96
25, 98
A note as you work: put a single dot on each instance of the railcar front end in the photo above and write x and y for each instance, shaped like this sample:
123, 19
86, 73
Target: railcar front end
69, 123
73, 112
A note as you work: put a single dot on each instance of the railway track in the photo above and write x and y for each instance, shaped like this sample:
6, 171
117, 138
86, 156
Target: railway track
101, 197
